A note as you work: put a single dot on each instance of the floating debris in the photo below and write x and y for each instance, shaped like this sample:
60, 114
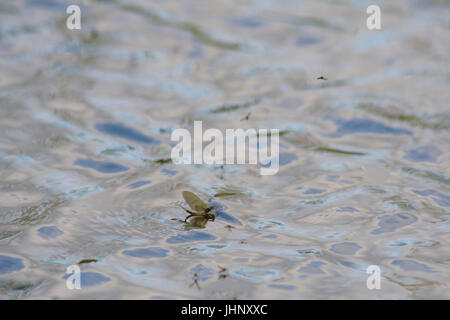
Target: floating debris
235, 106
346, 152
86, 261
230, 194
163, 161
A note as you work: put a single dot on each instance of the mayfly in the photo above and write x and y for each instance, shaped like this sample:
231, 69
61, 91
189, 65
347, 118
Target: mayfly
246, 117
203, 210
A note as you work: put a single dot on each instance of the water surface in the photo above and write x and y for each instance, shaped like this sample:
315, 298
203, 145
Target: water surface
85, 172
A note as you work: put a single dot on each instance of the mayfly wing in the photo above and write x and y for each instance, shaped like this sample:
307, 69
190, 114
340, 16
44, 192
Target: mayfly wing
194, 202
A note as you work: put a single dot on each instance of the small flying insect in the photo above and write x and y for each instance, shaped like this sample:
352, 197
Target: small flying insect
223, 272
195, 281
246, 117
203, 210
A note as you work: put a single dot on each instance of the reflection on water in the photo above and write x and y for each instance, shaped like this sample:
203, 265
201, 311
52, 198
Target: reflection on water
100, 166
365, 126
122, 131
146, 253
49, 232
10, 264
85, 172
91, 279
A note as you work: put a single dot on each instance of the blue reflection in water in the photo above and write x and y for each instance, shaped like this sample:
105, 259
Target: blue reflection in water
347, 209
196, 52
313, 191
282, 286
139, 184
307, 40
347, 248
287, 157
256, 273
10, 264
332, 177
122, 131
247, 22
48, 4
203, 273
438, 197
364, 125
152, 252
284, 158
222, 215
161, 298
190, 237
49, 232
411, 265
312, 268
390, 223
90, 279
100, 166
424, 153
169, 172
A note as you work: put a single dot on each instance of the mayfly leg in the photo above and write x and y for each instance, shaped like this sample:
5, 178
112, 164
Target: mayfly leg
191, 214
